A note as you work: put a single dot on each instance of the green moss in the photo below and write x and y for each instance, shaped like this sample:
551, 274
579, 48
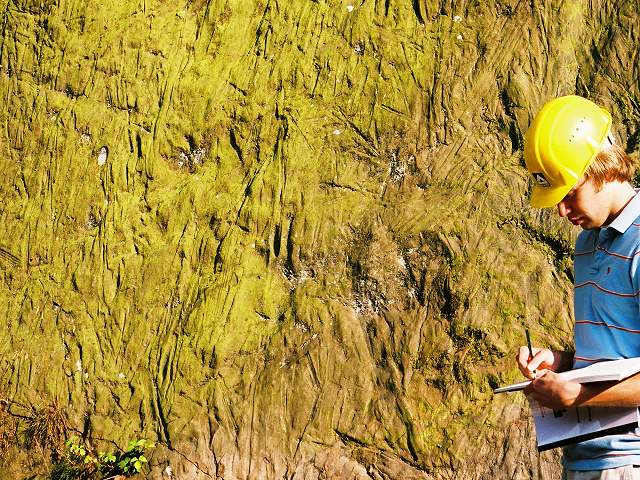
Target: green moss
311, 221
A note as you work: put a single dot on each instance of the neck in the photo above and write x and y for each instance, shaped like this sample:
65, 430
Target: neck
621, 195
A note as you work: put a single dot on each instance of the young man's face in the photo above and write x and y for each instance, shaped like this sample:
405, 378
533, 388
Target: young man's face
585, 206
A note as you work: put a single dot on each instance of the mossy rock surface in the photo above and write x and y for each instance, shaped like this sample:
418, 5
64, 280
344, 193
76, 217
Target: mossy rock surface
289, 239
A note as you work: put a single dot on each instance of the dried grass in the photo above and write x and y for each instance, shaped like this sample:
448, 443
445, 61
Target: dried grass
46, 429
8, 428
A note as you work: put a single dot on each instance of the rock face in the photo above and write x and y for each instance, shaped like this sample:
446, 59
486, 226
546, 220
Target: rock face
287, 239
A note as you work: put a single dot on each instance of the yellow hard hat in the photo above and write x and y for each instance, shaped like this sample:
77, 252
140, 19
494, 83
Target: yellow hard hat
563, 139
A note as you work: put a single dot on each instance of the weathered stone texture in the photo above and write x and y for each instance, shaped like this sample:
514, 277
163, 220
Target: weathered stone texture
289, 239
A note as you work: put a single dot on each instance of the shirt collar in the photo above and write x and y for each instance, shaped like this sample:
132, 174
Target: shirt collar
628, 214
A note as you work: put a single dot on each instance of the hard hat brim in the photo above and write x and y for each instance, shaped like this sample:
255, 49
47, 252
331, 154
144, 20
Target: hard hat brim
547, 197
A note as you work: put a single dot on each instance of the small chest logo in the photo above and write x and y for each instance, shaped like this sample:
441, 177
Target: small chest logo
541, 180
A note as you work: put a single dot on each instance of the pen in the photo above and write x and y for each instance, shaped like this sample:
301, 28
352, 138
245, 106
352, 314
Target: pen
526, 332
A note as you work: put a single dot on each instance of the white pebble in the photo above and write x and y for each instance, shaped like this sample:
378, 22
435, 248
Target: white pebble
102, 156
459, 37
350, 8
457, 18
337, 132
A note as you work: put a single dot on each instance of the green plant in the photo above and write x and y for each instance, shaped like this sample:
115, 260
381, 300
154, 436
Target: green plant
83, 463
132, 459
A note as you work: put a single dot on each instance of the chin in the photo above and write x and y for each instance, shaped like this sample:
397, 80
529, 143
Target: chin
591, 225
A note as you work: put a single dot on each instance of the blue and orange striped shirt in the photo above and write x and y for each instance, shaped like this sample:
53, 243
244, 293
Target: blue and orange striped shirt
607, 322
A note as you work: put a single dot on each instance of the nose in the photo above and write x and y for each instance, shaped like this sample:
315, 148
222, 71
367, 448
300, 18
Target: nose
563, 209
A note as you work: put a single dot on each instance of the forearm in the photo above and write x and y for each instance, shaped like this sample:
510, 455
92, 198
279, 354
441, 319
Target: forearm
562, 361
611, 394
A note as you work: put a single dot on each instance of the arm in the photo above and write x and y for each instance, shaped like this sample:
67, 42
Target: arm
612, 394
551, 391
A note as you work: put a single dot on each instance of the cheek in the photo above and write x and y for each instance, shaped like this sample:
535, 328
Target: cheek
583, 203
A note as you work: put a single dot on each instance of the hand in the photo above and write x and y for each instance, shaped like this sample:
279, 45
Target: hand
551, 391
543, 360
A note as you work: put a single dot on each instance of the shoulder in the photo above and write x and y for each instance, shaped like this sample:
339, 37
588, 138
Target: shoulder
631, 237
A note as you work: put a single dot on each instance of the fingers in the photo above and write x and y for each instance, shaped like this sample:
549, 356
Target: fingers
522, 359
539, 383
551, 391
529, 390
524, 362
542, 359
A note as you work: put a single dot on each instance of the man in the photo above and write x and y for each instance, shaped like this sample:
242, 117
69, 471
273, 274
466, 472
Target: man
578, 168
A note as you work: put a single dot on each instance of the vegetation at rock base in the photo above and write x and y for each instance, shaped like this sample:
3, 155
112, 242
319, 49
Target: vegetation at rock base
286, 238
79, 462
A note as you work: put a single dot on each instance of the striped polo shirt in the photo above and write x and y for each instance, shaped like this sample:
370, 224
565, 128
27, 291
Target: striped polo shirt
607, 322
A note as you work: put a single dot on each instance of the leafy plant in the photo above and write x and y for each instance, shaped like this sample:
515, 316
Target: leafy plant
132, 459
83, 463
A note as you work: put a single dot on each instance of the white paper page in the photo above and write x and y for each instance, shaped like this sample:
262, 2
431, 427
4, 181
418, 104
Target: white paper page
604, 371
561, 427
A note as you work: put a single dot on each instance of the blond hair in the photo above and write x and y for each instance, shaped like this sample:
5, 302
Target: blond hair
611, 164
